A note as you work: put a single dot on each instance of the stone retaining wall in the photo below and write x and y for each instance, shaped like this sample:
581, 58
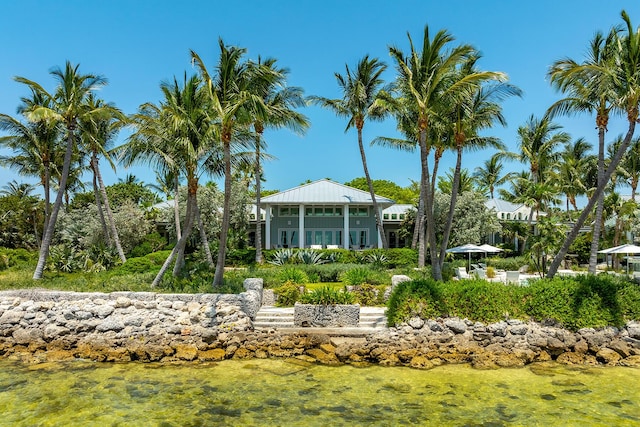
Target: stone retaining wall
38, 326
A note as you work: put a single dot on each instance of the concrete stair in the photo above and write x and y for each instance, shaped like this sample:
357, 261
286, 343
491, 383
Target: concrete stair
269, 317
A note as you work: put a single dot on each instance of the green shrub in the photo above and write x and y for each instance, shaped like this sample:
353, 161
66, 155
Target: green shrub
287, 294
327, 273
152, 242
294, 275
16, 257
368, 295
145, 264
480, 300
327, 296
401, 257
420, 298
241, 257
507, 264
356, 276
310, 256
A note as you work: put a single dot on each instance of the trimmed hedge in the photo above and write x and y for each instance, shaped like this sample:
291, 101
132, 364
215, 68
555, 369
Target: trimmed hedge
574, 303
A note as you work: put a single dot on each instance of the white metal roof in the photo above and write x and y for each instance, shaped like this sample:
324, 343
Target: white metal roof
324, 191
398, 209
502, 205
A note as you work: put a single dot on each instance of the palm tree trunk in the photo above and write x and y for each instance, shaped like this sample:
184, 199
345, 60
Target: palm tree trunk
165, 267
176, 208
226, 214
48, 234
419, 215
376, 210
258, 174
96, 196
192, 188
595, 238
428, 205
452, 206
203, 236
47, 196
107, 208
592, 201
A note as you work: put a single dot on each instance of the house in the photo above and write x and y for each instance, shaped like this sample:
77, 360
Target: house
511, 212
322, 213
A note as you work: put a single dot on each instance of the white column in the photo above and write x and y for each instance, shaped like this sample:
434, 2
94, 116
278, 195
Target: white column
301, 241
267, 226
379, 237
345, 231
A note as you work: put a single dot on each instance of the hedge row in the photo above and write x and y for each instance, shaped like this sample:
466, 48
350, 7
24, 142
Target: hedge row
574, 303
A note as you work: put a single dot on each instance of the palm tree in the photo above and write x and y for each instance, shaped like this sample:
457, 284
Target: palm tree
626, 85
474, 111
427, 88
465, 182
538, 140
280, 102
362, 91
97, 134
17, 189
572, 170
150, 143
590, 88
67, 105
630, 167
490, 175
184, 141
231, 99
35, 145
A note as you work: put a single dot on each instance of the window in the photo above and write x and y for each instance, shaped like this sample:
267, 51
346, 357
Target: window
322, 211
394, 216
358, 211
289, 211
385, 216
402, 216
252, 216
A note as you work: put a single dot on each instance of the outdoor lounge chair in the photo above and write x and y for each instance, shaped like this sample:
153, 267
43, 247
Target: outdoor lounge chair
512, 277
315, 246
481, 273
333, 247
461, 273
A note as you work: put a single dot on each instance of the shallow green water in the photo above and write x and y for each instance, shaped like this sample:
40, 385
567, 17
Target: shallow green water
290, 393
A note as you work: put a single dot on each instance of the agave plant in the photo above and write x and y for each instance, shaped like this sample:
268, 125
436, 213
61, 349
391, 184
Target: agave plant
311, 256
283, 256
378, 259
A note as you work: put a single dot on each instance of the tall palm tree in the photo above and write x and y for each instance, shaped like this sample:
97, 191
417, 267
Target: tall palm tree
17, 189
67, 105
35, 146
280, 102
626, 85
590, 88
185, 142
97, 135
362, 90
426, 89
490, 174
229, 90
151, 144
475, 110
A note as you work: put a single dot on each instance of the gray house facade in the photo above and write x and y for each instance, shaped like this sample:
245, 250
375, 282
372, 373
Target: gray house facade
321, 214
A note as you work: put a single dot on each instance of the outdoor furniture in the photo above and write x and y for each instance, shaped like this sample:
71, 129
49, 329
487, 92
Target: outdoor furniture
481, 273
333, 247
461, 273
512, 277
315, 246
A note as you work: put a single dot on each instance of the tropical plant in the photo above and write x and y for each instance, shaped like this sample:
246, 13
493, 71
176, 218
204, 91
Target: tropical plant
429, 82
293, 275
362, 99
279, 102
490, 175
626, 86
67, 105
283, 256
590, 88
310, 256
327, 296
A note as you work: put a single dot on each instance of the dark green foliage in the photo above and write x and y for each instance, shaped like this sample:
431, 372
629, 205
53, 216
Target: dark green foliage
507, 264
152, 242
327, 296
421, 298
581, 247
327, 273
401, 257
574, 303
287, 294
16, 257
239, 257
144, 264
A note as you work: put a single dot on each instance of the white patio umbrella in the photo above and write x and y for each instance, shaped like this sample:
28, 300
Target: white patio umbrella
466, 249
490, 249
622, 249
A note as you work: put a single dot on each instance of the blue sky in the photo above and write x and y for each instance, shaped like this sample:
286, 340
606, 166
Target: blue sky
138, 44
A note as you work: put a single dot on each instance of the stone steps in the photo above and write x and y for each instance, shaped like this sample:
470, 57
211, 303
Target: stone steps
268, 317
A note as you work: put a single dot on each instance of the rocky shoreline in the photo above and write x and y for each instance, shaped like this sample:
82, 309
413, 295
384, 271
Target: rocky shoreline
39, 326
